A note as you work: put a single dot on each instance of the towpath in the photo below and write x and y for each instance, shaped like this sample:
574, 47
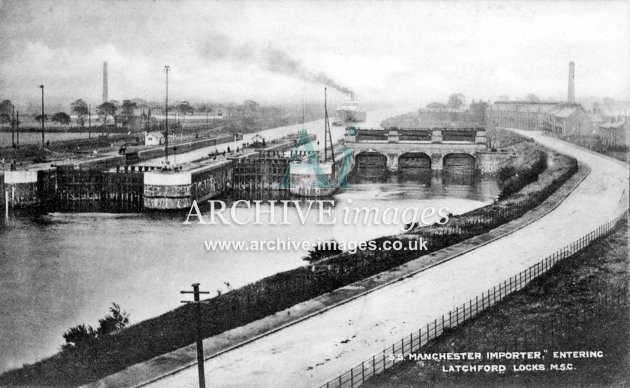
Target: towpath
312, 351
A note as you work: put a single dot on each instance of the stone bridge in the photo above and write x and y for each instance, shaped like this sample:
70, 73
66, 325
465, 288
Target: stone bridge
431, 149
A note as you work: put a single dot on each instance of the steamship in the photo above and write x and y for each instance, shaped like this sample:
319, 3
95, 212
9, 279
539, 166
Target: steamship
310, 177
350, 112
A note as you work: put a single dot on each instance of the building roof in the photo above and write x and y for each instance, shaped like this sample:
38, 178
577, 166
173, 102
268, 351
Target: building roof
529, 102
614, 124
565, 112
155, 134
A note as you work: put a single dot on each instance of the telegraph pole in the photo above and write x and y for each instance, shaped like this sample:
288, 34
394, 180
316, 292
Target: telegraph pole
89, 121
17, 129
197, 302
42, 86
166, 69
12, 126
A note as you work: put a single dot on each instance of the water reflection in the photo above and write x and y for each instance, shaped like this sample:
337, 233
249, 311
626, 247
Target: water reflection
62, 269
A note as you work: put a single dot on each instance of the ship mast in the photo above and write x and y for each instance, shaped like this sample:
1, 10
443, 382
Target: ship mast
328, 137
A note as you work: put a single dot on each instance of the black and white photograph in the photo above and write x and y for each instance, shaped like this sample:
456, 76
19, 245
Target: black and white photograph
326, 194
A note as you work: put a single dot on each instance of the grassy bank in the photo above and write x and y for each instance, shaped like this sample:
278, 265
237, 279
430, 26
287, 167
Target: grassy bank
580, 304
99, 357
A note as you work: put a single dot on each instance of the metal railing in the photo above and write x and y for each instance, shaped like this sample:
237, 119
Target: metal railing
378, 363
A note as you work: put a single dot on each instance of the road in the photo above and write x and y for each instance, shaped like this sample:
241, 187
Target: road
313, 351
313, 127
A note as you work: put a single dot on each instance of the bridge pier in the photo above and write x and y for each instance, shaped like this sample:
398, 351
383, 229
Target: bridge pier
437, 162
434, 143
392, 162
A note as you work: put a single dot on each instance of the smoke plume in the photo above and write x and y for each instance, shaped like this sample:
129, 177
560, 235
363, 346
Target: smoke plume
270, 59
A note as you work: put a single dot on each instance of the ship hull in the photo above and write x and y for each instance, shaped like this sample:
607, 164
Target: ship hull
308, 180
348, 116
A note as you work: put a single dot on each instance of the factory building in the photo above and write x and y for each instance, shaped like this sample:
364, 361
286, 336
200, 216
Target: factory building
520, 114
564, 118
615, 132
569, 119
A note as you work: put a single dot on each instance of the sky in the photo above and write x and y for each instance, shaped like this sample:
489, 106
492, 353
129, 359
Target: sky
284, 52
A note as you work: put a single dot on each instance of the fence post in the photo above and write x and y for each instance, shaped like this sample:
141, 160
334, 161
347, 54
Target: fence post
374, 365
362, 372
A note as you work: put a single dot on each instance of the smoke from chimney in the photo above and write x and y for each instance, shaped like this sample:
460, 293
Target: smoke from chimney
270, 59
571, 96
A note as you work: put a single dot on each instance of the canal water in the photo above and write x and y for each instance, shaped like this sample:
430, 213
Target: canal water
60, 270
316, 127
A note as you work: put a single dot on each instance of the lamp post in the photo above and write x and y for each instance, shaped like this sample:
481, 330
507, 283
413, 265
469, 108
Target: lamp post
89, 121
12, 126
166, 70
17, 129
42, 87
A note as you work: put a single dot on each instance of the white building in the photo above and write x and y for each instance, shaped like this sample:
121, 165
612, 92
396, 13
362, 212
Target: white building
153, 138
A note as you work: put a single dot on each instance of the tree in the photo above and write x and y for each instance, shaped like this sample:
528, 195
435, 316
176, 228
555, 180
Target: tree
107, 109
128, 110
479, 110
61, 118
456, 101
81, 109
114, 322
436, 106
251, 105
39, 118
78, 335
532, 98
6, 107
184, 107
5, 118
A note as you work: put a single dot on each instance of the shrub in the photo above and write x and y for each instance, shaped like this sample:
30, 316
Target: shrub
78, 335
322, 250
82, 334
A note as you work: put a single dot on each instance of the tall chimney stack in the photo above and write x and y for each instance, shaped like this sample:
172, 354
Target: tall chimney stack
105, 98
571, 97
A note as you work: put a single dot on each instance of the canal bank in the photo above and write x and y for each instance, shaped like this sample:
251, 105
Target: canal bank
358, 329
182, 359
61, 280
582, 303
353, 232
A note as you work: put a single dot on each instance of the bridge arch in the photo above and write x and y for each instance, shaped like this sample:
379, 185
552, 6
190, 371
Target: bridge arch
459, 162
414, 162
370, 162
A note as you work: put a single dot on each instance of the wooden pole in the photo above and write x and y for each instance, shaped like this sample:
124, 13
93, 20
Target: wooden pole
17, 129
13, 126
200, 359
